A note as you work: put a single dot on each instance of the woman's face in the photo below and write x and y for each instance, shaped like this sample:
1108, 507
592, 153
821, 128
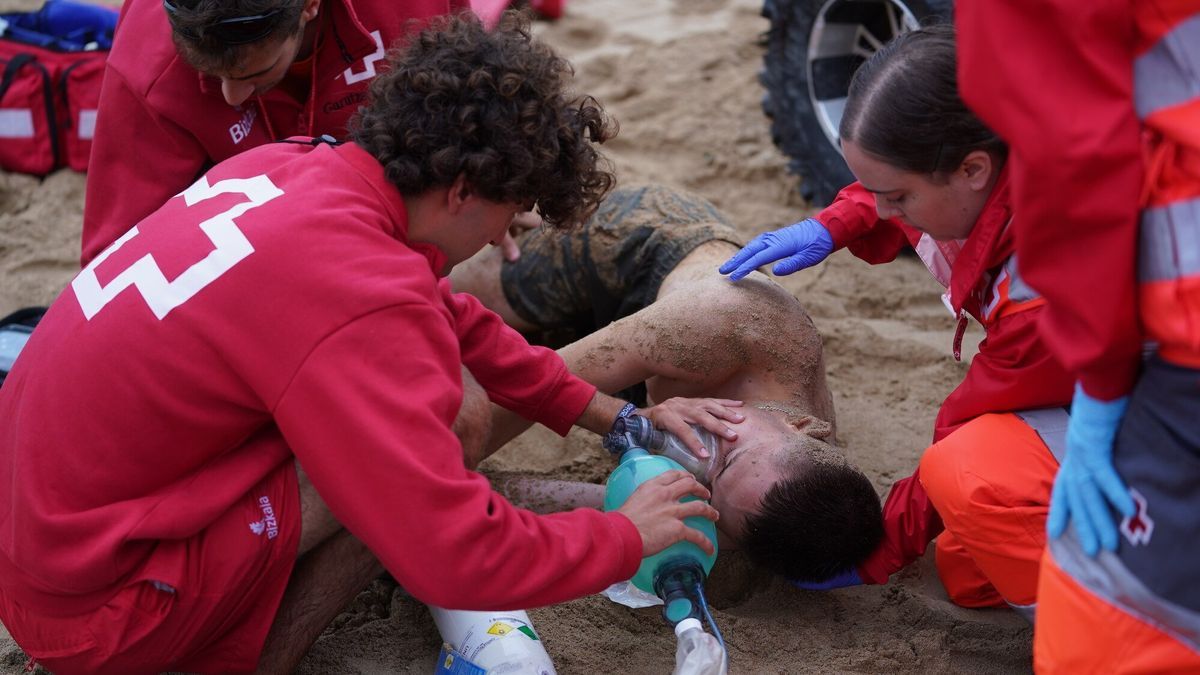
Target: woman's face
944, 210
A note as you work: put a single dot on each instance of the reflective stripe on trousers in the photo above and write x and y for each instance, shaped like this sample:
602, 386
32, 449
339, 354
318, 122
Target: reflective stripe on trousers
1145, 593
1051, 425
1106, 577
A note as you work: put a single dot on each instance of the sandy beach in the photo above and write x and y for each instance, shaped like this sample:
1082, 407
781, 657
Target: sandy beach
681, 78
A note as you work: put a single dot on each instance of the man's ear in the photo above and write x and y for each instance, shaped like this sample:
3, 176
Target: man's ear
976, 169
310, 10
458, 194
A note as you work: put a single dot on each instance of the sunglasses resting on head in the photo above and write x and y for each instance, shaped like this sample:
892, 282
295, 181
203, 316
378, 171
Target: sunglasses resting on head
238, 30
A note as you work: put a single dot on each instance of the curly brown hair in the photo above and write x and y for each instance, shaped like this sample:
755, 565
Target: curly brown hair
203, 49
493, 107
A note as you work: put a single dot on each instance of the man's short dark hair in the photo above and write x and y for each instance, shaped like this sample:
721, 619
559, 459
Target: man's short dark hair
493, 107
822, 520
192, 23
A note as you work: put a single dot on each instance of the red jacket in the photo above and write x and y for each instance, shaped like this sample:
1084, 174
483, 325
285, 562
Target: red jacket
161, 123
1076, 162
296, 305
1013, 369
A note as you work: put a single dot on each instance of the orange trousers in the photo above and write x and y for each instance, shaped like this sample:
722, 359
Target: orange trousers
1077, 632
990, 482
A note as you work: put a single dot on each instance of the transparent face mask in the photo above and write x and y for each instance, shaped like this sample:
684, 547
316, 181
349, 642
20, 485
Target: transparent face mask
672, 447
637, 431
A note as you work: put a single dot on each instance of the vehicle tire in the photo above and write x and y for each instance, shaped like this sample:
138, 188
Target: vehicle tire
813, 49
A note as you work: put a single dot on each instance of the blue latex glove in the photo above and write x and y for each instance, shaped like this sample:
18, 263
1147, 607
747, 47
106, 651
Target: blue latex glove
1087, 483
795, 247
841, 580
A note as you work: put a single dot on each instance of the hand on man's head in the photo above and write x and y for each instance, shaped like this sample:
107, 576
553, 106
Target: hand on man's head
676, 414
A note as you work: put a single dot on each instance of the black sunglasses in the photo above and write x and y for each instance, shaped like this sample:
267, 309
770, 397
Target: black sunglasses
238, 30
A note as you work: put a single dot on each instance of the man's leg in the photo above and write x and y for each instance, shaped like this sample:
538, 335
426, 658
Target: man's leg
333, 567
990, 482
570, 283
480, 276
550, 496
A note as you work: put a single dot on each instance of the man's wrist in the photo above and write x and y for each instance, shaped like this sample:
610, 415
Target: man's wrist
612, 438
601, 413
626, 410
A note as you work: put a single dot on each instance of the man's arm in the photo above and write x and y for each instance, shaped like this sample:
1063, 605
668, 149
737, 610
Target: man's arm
385, 460
506, 425
534, 384
531, 381
138, 162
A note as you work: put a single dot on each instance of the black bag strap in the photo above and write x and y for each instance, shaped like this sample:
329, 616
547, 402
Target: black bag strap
51, 113
10, 71
10, 74
64, 79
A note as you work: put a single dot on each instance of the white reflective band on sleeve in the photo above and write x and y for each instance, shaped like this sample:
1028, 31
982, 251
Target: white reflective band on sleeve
1018, 290
1165, 75
87, 124
1108, 578
1170, 241
16, 123
1051, 425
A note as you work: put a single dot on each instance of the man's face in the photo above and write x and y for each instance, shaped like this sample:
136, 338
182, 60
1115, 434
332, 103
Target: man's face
263, 66
750, 466
479, 223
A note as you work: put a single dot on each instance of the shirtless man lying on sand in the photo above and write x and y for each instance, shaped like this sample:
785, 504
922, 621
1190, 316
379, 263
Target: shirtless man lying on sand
636, 293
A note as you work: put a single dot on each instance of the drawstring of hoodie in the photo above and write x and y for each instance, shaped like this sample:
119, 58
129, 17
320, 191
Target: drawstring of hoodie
311, 106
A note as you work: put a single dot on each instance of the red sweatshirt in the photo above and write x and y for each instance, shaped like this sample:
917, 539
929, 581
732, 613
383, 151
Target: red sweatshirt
161, 123
1013, 370
1076, 162
295, 302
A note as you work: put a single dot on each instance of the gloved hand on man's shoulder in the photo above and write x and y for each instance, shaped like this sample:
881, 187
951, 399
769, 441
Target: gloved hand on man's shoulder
796, 247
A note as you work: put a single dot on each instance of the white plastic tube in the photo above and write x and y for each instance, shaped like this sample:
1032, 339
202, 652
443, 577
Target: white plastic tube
498, 642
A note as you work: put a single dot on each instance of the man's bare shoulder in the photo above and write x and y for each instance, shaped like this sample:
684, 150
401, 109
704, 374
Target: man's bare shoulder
757, 299
752, 339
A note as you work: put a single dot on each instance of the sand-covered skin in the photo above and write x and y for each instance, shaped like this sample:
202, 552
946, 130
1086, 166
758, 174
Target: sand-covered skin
680, 76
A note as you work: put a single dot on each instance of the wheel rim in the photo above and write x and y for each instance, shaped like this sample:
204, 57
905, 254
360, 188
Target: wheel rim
844, 34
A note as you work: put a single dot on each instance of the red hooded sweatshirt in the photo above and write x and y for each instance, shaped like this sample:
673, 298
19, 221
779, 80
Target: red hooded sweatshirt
160, 123
295, 303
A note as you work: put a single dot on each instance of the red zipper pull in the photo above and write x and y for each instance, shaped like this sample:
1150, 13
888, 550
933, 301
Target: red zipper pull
958, 335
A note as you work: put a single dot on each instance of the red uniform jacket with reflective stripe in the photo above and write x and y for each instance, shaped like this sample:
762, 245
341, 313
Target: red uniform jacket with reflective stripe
1013, 370
1055, 79
1166, 70
161, 124
296, 302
